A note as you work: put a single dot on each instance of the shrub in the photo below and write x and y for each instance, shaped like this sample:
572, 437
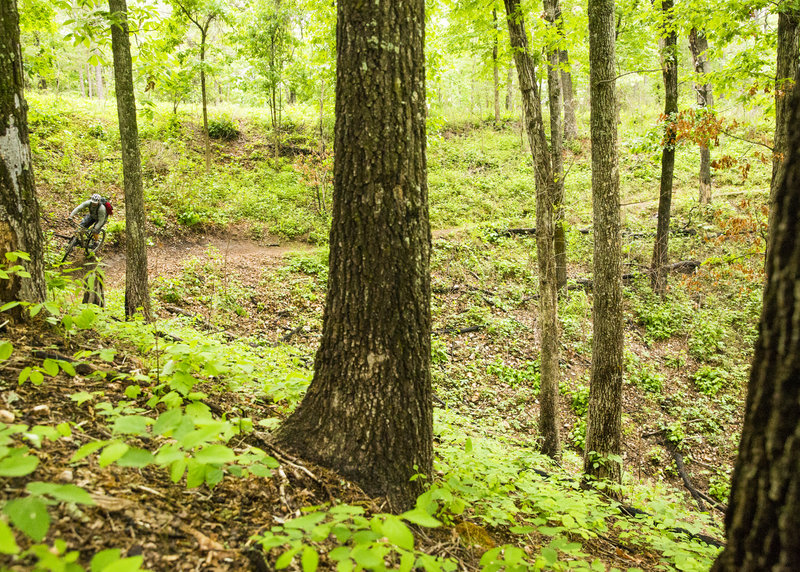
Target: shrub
709, 380
647, 379
223, 128
705, 340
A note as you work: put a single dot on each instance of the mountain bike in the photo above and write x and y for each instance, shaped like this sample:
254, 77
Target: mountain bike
85, 239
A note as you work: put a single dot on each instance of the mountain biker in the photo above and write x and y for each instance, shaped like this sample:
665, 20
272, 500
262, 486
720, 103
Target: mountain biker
96, 217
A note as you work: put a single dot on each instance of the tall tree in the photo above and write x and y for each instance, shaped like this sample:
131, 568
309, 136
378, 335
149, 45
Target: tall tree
19, 207
788, 61
368, 411
553, 16
496, 66
763, 518
137, 295
698, 44
604, 418
669, 66
202, 13
545, 246
567, 92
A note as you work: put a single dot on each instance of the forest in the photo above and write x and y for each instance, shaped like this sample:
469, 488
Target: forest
436, 285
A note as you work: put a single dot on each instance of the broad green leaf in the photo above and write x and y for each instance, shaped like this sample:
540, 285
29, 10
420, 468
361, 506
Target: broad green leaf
6, 350
132, 424
367, 556
397, 533
8, 544
37, 378
420, 517
24, 374
167, 421
50, 367
286, 558
309, 560
17, 464
64, 493
81, 397
9, 305
67, 367
550, 556
131, 564
176, 469
107, 354
306, 522
195, 474
112, 452
215, 455
87, 449
30, 515
104, 558
133, 391
136, 457
86, 318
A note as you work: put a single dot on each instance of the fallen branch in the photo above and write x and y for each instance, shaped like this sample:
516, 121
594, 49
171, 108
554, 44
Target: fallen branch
456, 331
685, 266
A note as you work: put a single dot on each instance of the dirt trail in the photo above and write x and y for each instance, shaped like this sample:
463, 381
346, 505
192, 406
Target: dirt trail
166, 259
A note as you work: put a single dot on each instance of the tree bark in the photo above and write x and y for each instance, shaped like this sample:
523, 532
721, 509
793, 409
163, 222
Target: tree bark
496, 67
203, 94
604, 418
788, 61
368, 411
510, 87
669, 63
553, 16
99, 92
19, 207
137, 295
763, 517
570, 121
698, 44
545, 248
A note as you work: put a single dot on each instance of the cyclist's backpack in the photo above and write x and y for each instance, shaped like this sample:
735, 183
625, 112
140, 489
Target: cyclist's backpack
109, 208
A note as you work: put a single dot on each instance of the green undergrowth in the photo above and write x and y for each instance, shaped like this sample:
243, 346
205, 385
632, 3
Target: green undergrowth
532, 520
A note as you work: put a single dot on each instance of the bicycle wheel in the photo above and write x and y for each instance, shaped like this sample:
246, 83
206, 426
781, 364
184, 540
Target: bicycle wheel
92, 246
72, 243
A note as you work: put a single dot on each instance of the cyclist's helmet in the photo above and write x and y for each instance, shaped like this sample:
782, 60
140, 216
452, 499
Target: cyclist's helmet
96, 198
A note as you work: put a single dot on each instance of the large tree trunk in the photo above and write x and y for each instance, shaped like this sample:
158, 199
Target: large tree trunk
787, 66
545, 249
368, 411
137, 295
553, 16
763, 517
669, 63
496, 68
698, 44
19, 208
604, 420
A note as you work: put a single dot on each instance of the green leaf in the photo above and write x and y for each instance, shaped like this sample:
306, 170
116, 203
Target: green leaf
86, 318
136, 457
131, 564
18, 464
87, 449
550, 556
215, 455
133, 391
397, 533
366, 556
107, 354
81, 397
6, 350
195, 475
67, 367
132, 424
167, 421
112, 452
286, 558
309, 560
9, 305
104, 558
50, 367
64, 493
8, 544
24, 374
176, 469
30, 515
305, 522
420, 517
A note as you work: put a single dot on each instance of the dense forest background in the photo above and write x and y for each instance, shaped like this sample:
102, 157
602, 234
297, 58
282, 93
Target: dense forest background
149, 443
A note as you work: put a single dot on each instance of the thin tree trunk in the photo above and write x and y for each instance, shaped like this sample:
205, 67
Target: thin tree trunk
669, 62
19, 207
787, 66
137, 295
698, 44
604, 419
321, 117
368, 411
203, 95
99, 90
570, 120
545, 248
89, 81
80, 76
553, 16
496, 68
510, 86
763, 518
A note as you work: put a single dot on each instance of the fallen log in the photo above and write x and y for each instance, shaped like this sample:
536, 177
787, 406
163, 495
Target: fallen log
457, 331
685, 266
